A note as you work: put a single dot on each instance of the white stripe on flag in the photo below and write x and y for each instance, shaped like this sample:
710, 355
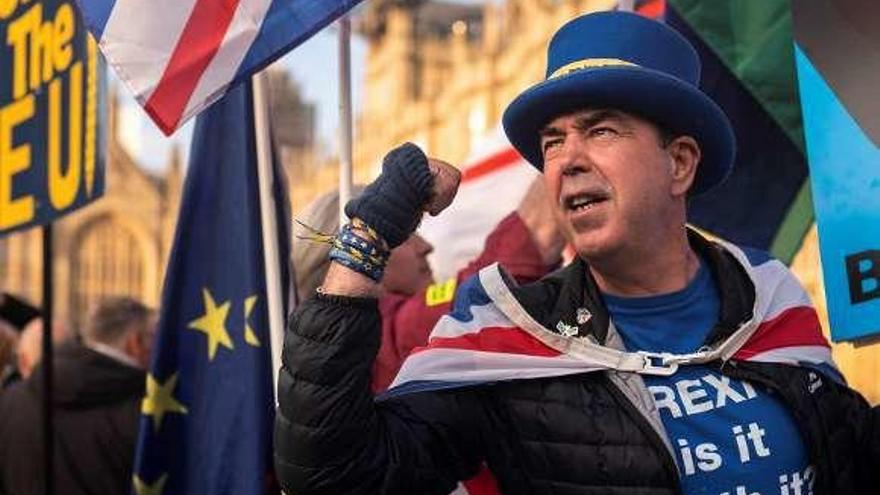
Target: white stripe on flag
243, 29
777, 290
144, 34
465, 365
484, 316
795, 354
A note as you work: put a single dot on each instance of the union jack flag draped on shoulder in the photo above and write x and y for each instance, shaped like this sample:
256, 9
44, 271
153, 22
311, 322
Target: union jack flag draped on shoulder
489, 336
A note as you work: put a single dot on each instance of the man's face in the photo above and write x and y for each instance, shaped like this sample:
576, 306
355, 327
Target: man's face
139, 339
408, 270
612, 181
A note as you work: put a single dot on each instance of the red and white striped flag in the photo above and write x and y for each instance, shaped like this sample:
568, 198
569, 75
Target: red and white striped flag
179, 56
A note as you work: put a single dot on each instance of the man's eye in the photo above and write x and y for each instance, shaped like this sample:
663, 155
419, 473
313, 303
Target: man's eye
602, 132
551, 144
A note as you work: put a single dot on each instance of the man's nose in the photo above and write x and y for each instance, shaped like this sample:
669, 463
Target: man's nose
423, 247
573, 160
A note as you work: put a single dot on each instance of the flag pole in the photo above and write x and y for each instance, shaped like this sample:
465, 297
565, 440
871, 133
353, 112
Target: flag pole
269, 223
626, 5
345, 115
48, 365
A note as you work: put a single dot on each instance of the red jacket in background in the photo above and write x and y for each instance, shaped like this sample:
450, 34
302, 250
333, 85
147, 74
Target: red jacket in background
408, 320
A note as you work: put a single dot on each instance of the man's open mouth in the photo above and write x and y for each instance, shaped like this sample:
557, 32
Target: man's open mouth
585, 201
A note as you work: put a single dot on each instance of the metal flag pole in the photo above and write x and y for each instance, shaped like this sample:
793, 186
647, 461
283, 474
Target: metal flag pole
269, 223
345, 116
626, 5
48, 365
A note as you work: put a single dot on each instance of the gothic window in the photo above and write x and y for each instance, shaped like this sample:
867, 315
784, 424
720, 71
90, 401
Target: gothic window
108, 260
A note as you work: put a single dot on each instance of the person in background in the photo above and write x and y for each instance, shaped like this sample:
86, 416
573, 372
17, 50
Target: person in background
15, 314
8, 346
98, 387
30, 344
527, 242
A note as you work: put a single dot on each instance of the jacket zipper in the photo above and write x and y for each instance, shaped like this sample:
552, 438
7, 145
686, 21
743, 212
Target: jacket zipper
645, 425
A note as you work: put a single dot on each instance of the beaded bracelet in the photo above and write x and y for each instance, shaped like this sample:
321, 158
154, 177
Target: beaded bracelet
353, 239
370, 233
359, 249
366, 268
357, 246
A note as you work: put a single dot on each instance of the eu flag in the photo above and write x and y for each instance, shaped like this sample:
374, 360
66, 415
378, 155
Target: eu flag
206, 419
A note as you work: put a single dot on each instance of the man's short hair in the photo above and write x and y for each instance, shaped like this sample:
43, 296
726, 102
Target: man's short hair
666, 135
113, 317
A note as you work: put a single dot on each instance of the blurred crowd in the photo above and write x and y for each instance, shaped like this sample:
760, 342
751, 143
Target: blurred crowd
98, 384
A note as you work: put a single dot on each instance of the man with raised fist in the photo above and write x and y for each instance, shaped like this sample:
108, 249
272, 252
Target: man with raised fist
658, 362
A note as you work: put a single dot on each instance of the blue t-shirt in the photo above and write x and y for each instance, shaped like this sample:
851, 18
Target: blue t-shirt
730, 438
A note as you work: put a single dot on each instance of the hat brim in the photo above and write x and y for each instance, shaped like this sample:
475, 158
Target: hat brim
650, 94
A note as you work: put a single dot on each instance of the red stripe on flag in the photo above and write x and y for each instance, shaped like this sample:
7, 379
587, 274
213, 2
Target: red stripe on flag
798, 326
507, 340
199, 42
652, 8
483, 483
490, 164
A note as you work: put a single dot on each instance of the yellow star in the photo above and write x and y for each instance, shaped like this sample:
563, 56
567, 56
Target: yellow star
141, 488
249, 335
213, 324
159, 400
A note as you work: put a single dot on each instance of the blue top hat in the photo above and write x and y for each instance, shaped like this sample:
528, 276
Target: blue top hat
627, 62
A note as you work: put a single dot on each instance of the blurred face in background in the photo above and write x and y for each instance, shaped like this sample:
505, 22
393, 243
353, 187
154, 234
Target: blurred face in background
408, 271
30, 344
8, 343
139, 340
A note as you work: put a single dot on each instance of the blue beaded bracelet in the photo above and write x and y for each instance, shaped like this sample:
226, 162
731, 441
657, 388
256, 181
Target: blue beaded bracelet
363, 266
360, 249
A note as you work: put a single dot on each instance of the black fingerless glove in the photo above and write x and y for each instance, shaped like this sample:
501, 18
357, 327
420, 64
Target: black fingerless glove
392, 204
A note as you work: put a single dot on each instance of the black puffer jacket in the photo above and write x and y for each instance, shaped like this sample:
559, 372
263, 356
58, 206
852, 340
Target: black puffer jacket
583, 434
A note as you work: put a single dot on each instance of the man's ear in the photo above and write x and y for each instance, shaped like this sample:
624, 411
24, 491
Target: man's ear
684, 152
